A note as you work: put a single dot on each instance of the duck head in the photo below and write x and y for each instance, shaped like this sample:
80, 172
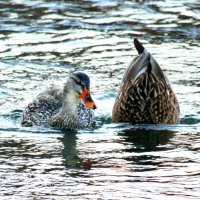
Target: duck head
80, 84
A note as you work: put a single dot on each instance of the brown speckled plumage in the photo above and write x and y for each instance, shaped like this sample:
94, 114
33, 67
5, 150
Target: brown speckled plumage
145, 95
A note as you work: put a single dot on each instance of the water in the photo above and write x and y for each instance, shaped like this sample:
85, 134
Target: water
41, 42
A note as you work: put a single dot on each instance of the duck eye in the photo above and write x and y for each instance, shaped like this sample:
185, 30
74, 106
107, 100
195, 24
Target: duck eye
87, 95
78, 82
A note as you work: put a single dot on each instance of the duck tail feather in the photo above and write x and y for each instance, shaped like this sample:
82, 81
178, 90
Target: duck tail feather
139, 47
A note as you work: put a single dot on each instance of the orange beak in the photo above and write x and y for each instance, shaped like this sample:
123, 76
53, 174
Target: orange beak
87, 99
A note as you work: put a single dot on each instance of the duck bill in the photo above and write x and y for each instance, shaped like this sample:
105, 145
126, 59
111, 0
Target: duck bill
87, 99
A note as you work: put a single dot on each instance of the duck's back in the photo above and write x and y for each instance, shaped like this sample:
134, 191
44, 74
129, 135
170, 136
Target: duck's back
46, 104
145, 95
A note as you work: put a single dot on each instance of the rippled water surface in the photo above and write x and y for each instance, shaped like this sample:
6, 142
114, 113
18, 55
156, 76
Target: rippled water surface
41, 42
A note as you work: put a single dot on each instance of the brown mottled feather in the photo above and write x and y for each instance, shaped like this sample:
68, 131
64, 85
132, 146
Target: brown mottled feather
145, 95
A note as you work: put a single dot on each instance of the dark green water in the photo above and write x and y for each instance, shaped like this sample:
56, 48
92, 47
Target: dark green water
41, 42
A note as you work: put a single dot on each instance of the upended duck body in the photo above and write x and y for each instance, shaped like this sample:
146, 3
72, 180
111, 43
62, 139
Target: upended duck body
63, 108
145, 95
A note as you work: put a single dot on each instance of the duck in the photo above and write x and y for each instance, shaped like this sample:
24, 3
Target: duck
145, 95
63, 108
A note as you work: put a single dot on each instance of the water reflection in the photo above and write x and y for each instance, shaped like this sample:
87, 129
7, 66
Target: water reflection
41, 41
147, 139
69, 152
142, 145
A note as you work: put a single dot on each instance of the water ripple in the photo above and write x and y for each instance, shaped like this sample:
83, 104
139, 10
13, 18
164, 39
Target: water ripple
41, 42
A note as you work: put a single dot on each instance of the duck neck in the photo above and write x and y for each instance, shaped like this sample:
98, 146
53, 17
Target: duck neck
67, 116
70, 103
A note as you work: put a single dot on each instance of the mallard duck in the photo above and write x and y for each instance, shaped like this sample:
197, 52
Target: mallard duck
61, 108
145, 95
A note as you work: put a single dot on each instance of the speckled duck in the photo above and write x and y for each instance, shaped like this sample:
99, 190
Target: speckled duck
63, 108
145, 95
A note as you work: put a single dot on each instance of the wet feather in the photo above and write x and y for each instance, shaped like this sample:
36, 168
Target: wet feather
145, 95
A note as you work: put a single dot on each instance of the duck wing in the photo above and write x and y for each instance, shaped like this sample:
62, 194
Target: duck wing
145, 94
43, 108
